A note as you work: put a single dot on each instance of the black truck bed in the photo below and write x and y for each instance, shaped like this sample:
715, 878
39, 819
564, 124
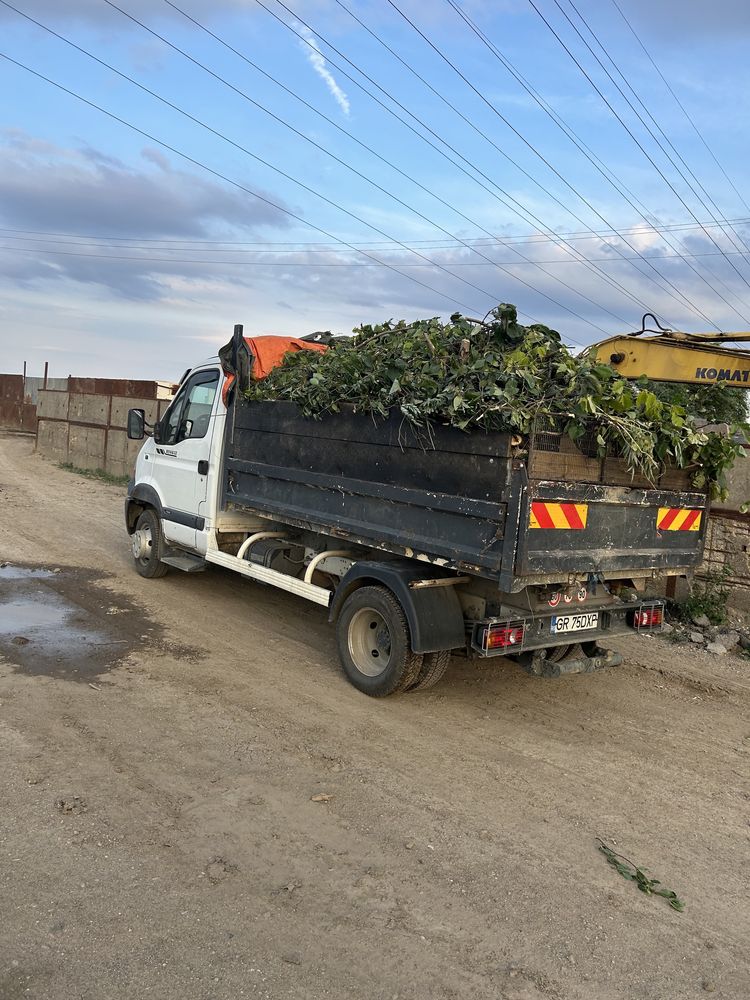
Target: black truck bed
458, 500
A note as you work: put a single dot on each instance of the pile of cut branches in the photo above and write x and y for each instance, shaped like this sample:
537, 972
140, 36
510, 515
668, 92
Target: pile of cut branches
496, 374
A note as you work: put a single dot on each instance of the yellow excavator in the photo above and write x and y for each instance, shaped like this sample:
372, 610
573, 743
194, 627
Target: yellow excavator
673, 356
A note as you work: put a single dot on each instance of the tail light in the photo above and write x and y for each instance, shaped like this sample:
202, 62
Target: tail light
503, 636
648, 617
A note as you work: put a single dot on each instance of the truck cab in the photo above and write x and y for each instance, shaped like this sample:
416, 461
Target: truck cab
174, 467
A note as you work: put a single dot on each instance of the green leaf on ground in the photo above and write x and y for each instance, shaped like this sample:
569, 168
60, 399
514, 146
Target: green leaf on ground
631, 872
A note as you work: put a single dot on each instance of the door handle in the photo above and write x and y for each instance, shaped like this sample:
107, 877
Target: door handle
203, 467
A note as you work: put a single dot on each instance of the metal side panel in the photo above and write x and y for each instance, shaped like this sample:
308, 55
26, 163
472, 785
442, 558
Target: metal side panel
455, 531
263, 574
572, 528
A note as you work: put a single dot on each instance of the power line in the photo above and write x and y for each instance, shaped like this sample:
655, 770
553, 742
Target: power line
547, 163
306, 187
716, 213
650, 132
472, 125
352, 169
404, 246
228, 180
347, 166
680, 104
382, 246
610, 176
287, 263
254, 65
504, 197
638, 143
616, 182
215, 263
278, 170
684, 299
350, 135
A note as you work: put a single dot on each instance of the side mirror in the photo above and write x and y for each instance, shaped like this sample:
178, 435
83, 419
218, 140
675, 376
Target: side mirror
136, 425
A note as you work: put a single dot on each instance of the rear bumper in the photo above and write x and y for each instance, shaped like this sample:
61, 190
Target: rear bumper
533, 632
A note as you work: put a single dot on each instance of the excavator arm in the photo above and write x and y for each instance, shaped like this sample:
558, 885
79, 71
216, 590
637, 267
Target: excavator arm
673, 356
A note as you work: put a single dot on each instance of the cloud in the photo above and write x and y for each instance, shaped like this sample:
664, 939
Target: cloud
132, 318
123, 298
670, 19
49, 187
52, 189
95, 12
318, 63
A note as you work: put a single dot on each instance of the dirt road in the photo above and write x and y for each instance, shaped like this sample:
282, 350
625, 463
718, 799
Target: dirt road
160, 742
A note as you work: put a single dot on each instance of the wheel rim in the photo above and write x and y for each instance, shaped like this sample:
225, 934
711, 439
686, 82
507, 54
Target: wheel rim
142, 542
369, 642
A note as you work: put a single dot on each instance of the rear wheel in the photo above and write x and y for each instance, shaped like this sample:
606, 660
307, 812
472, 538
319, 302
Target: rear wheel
374, 643
147, 544
433, 667
559, 653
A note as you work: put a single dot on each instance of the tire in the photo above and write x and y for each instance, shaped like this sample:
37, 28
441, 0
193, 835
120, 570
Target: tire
148, 545
433, 667
559, 653
374, 643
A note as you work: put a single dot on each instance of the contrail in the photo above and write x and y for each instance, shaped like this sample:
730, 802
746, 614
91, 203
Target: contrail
318, 63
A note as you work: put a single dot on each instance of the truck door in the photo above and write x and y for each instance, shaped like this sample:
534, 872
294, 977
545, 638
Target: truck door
182, 454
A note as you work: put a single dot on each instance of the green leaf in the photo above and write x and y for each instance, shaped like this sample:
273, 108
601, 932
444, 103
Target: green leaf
633, 873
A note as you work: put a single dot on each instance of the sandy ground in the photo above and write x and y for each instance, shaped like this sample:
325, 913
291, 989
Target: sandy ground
160, 742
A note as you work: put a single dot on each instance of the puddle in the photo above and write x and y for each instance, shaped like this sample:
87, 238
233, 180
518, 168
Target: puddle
29, 616
63, 624
9, 572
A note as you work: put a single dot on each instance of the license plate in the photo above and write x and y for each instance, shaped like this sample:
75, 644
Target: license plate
574, 623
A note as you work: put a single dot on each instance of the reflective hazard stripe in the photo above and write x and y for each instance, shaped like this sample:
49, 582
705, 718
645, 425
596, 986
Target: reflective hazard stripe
558, 515
678, 519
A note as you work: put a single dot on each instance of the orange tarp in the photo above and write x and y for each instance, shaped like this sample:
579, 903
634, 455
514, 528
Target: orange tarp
267, 353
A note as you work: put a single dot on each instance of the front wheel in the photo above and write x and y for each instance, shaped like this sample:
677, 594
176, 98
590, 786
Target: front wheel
374, 643
147, 544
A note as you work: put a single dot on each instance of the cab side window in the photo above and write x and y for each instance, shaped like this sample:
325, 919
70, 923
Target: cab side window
190, 413
171, 419
196, 414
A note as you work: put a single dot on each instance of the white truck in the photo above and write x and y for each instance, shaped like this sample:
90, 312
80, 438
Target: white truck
418, 545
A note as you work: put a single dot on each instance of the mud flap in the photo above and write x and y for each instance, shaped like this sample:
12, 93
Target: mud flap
537, 663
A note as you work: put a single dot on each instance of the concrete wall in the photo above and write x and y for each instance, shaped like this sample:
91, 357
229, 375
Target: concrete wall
88, 429
19, 398
728, 537
728, 545
52, 404
738, 479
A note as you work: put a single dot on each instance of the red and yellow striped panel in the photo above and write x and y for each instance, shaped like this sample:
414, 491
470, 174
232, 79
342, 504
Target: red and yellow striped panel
558, 515
678, 519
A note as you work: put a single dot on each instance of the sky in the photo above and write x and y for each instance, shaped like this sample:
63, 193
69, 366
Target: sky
169, 169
